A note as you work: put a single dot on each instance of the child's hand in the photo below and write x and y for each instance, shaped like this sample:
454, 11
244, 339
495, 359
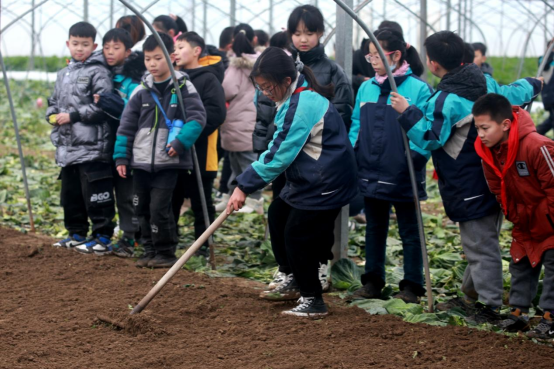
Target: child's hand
398, 102
171, 151
122, 171
63, 118
96, 98
236, 202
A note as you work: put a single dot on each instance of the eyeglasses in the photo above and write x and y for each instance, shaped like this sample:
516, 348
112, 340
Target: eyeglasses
376, 57
268, 90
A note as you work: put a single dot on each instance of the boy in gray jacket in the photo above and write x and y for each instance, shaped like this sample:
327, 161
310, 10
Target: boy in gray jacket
142, 143
83, 143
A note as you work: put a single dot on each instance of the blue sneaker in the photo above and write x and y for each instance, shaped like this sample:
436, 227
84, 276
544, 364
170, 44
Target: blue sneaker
70, 241
100, 245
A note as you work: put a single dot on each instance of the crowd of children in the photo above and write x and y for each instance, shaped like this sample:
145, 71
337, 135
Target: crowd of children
286, 115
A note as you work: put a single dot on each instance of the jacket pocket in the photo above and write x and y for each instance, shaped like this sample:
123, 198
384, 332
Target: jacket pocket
142, 147
540, 225
84, 134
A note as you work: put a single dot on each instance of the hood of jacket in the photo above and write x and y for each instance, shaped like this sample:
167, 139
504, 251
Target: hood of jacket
148, 80
311, 56
210, 64
466, 81
245, 61
133, 67
487, 68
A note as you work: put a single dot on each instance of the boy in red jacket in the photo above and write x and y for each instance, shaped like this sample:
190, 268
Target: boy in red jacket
519, 168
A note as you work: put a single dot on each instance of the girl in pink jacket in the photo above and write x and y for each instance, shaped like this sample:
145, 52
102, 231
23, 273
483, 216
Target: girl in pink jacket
236, 131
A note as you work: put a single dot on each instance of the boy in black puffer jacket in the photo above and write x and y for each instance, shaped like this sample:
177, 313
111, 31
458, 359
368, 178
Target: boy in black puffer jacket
206, 74
84, 142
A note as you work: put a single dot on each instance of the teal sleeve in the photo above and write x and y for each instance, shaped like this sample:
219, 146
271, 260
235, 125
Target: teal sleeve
518, 93
355, 127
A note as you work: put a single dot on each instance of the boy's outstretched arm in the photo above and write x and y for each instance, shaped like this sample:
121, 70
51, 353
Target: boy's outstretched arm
428, 128
519, 92
112, 104
195, 120
544, 164
101, 84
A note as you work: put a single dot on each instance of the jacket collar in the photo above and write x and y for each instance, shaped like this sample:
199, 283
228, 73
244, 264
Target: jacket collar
311, 56
148, 80
300, 81
466, 81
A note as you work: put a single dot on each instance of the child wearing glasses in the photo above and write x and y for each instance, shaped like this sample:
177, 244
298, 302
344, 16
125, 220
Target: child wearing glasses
383, 176
311, 147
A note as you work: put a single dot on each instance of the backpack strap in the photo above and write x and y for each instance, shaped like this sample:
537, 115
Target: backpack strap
155, 97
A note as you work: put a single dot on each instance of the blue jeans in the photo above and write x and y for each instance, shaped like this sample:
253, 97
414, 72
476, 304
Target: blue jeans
377, 215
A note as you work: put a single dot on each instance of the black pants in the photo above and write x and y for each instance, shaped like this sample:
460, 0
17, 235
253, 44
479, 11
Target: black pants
152, 202
300, 238
187, 187
87, 193
547, 125
124, 193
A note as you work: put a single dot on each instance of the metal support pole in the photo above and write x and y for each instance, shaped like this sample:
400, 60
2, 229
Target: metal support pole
408, 156
271, 17
423, 34
33, 38
111, 14
85, 15
205, 19
343, 56
19, 148
233, 12
448, 10
193, 15
459, 31
181, 105
384, 10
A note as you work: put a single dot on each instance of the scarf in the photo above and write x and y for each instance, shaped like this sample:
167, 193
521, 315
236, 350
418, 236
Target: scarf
486, 154
397, 73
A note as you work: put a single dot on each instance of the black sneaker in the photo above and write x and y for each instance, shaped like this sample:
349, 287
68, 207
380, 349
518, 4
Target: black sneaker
312, 307
162, 261
515, 322
545, 329
287, 290
484, 314
457, 302
124, 248
143, 261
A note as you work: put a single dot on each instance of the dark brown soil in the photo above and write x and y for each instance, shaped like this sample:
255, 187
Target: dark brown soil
51, 299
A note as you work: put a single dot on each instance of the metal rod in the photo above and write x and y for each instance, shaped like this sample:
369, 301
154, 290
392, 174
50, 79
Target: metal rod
357, 9
181, 104
421, 18
408, 156
541, 68
179, 264
422, 34
21, 16
19, 148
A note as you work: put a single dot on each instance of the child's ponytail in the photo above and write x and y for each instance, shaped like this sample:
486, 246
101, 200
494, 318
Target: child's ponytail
327, 91
412, 57
243, 38
392, 40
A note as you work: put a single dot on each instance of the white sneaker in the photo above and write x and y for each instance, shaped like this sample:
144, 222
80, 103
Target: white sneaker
223, 203
252, 205
323, 278
278, 279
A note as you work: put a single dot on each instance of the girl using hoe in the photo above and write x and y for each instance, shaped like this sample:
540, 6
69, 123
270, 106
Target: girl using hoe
311, 147
383, 176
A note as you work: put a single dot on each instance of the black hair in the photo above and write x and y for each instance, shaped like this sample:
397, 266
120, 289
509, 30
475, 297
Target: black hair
392, 40
481, 47
181, 25
445, 48
133, 25
275, 66
311, 17
165, 23
469, 53
280, 40
392, 25
263, 37
494, 105
194, 40
118, 35
226, 37
83, 29
244, 35
150, 44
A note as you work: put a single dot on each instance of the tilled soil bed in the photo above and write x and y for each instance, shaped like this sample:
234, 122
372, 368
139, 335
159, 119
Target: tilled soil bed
51, 298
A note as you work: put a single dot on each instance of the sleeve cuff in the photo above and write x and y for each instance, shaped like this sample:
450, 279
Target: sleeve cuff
121, 161
410, 117
75, 117
178, 146
249, 181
